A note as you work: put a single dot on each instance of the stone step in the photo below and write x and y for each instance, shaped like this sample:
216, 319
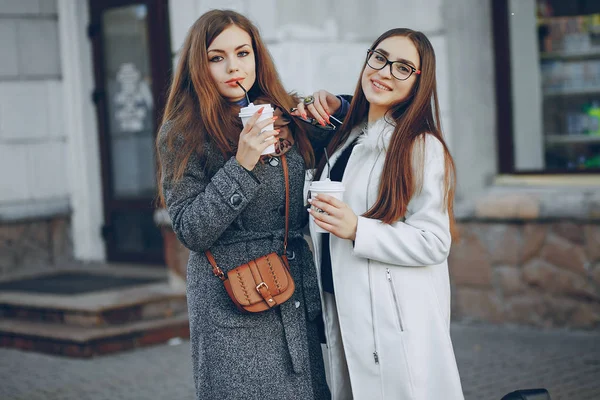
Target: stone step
105, 308
80, 341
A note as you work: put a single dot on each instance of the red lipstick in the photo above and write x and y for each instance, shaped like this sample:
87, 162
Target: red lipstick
232, 82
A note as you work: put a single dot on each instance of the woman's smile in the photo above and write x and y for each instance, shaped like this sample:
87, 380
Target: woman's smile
380, 86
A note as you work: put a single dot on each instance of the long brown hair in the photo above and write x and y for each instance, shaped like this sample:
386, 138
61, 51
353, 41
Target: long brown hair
414, 117
195, 109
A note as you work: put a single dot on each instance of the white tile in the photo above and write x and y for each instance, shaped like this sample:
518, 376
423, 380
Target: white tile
423, 15
182, 14
307, 16
23, 110
9, 65
13, 173
286, 57
38, 45
55, 109
47, 173
440, 47
48, 7
357, 19
263, 13
19, 7
240, 6
307, 67
447, 130
19, 101
337, 68
362, 20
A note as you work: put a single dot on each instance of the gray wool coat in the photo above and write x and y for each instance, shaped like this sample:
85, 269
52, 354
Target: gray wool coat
270, 355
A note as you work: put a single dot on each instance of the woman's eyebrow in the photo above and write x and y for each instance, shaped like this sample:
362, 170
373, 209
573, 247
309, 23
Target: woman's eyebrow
385, 53
223, 51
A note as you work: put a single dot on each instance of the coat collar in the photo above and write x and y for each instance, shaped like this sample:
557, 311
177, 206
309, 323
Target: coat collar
377, 135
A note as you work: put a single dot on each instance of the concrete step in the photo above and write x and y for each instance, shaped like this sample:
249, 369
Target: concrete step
81, 341
105, 308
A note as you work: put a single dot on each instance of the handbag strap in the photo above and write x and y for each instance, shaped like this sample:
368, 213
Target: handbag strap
286, 177
211, 259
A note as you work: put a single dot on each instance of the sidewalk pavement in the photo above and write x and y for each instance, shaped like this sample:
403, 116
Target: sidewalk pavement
492, 360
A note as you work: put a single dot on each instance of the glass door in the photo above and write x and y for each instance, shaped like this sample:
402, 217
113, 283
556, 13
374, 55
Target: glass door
132, 60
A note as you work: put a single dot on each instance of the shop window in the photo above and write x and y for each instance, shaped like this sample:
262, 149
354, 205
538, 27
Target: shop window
548, 85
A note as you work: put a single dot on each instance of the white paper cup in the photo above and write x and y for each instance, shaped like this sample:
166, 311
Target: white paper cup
331, 188
250, 110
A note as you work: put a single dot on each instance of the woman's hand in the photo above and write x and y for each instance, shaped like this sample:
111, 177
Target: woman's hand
252, 142
325, 104
341, 221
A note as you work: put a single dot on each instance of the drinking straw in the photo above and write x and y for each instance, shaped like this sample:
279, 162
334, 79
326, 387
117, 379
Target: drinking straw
328, 166
335, 119
246, 93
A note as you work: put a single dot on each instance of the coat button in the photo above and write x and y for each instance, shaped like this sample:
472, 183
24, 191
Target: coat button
290, 254
297, 304
281, 210
235, 199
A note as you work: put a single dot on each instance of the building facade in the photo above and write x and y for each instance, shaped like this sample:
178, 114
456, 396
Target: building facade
82, 84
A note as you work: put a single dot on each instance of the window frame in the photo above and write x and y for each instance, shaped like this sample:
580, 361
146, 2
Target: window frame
503, 95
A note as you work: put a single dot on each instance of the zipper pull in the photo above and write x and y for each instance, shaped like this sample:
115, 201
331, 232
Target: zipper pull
376, 357
389, 275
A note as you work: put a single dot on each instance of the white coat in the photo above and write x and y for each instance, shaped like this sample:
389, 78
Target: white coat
391, 330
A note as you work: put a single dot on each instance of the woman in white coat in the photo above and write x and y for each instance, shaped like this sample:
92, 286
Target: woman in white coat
385, 285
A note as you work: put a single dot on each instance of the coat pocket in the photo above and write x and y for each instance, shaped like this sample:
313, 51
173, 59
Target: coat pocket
395, 303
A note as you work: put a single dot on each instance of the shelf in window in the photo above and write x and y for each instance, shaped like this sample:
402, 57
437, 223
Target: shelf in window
557, 139
572, 92
571, 55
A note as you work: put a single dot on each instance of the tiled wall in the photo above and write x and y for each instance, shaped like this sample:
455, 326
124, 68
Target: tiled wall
320, 44
32, 139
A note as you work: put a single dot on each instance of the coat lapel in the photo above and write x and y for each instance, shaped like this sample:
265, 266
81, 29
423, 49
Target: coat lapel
336, 155
377, 137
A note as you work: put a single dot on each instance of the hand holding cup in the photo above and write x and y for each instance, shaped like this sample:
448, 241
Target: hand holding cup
330, 214
252, 142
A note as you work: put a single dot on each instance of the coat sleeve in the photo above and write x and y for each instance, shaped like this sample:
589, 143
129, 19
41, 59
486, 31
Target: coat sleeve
320, 137
423, 238
201, 208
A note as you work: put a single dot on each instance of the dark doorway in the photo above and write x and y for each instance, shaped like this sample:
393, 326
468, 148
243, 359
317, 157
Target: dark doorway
132, 63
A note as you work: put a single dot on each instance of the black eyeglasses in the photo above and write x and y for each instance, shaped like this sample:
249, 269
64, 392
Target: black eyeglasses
399, 69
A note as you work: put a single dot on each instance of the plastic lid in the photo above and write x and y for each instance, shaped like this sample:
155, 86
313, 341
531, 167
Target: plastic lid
327, 186
251, 108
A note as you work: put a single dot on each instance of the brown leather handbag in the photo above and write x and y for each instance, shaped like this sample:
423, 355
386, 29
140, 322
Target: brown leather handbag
264, 282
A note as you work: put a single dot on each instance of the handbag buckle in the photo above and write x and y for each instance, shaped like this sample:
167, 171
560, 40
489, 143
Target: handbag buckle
266, 294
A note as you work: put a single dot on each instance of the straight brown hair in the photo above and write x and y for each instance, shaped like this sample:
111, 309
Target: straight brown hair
196, 110
414, 117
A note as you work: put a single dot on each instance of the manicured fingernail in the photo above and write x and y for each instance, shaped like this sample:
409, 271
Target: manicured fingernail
309, 210
322, 122
275, 117
304, 116
260, 110
278, 130
310, 200
328, 120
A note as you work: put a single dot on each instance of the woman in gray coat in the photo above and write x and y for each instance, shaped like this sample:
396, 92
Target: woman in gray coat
223, 196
